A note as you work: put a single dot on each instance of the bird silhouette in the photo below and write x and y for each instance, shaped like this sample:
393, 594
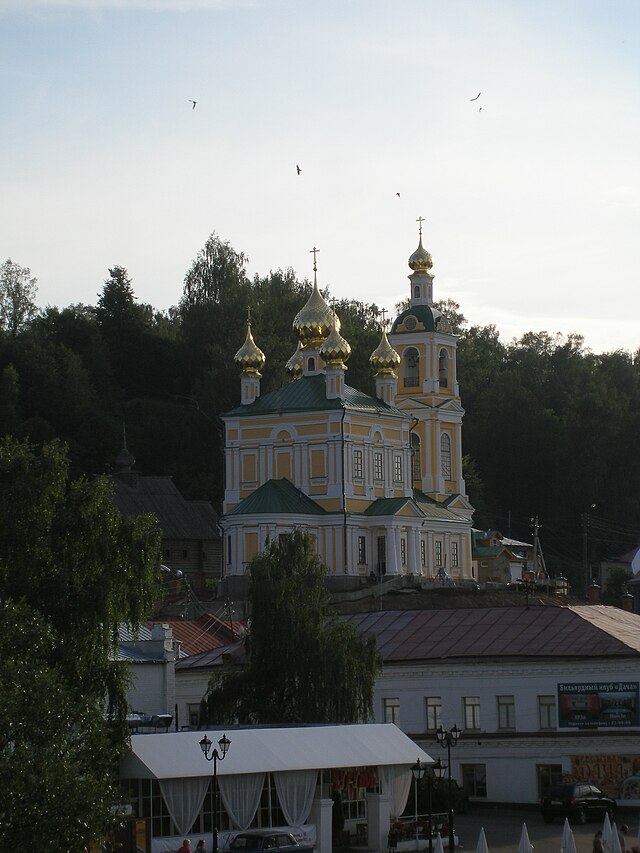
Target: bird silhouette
476, 97
192, 102
398, 194
479, 109
298, 169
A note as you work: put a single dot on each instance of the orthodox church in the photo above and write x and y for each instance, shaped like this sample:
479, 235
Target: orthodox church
376, 481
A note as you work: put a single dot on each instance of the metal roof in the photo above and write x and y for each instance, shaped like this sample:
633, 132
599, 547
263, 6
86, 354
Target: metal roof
202, 634
277, 496
434, 510
426, 314
309, 394
500, 632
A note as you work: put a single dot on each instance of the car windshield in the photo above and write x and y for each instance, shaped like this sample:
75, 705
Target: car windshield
246, 842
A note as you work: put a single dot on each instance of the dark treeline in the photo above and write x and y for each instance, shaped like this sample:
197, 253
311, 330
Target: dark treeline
550, 429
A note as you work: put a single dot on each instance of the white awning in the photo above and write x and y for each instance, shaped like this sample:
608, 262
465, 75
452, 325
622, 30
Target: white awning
174, 755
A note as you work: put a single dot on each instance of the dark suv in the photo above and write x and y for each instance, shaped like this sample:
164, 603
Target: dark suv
578, 802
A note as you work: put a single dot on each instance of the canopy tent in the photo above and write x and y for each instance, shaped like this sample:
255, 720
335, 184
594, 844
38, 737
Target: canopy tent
172, 755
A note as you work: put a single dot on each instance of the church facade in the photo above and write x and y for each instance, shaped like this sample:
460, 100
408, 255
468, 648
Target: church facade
377, 481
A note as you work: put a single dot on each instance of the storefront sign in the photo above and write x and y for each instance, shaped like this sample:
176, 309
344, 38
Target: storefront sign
611, 704
616, 775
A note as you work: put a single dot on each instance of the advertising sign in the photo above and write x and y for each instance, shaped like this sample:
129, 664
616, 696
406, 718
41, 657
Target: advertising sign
617, 775
610, 704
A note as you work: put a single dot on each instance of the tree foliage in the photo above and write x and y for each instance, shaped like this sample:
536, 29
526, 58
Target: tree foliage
304, 664
17, 297
72, 569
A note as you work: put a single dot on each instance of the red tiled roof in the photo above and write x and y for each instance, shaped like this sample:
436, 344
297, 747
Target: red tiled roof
492, 632
202, 634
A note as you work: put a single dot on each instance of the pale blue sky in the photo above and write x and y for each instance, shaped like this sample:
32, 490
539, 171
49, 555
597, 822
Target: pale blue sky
532, 204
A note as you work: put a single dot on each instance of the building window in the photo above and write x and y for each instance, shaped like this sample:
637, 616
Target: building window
357, 464
416, 292
434, 712
474, 780
549, 775
229, 550
411, 368
547, 712
403, 552
454, 555
391, 709
194, 715
443, 368
445, 455
471, 712
438, 549
377, 465
362, 549
397, 469
311, 365
506, 713
416, 464
423, 552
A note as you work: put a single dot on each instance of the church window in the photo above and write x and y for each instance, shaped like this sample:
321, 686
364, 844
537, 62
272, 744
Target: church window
423, 552
445, 455
357, 464
311, 365
411, 368
377, 465
403, 551
416, 465
416, 292
229, 550
397, 469
454, 555
438, 552
443, 369
362, 550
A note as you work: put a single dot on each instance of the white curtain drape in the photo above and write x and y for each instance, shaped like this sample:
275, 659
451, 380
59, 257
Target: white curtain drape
184, 798
395, 780
296, 789
240, 794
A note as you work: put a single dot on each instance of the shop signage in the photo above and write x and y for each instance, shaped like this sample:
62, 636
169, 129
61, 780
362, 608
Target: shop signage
594, 704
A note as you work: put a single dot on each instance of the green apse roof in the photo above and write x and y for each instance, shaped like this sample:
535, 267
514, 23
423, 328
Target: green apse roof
426, 314
309, 394
277, 496
434, 509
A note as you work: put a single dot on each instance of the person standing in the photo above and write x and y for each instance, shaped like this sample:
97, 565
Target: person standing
622, 835
597, 842
186, 846
200, 846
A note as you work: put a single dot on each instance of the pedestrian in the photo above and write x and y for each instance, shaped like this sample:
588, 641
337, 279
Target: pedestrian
392, 840
200, 846
622, 835
597, 842
186, 846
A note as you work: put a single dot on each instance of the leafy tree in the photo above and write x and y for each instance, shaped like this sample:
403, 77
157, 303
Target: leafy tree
68, 556
17, 295
305, 664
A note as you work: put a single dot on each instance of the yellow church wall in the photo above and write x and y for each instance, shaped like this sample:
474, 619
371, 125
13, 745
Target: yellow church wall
318, 460
232, 434
249, 467
312, 429
250, 546
283, 464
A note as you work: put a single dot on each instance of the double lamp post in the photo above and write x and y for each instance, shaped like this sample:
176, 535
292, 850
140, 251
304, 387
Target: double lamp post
419, 771
449, 738
212, 754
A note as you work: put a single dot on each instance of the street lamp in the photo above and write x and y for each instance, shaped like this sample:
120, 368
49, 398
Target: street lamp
449, 738
438, 772
213, 755
418, 771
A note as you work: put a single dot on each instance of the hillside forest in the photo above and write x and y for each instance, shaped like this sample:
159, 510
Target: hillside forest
551, 429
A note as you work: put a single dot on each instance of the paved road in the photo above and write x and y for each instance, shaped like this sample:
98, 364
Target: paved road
503, 826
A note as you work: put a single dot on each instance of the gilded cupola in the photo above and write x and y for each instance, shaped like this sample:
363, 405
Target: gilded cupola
420, 260
314, 321
250, 357
295, 365
335, 350
384, 359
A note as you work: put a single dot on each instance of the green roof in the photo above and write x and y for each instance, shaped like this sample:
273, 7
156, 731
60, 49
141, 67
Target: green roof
309, 394
386, 506
434, 509
277, 496
425, 314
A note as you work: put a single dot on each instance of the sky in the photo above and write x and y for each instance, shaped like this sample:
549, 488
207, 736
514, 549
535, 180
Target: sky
530, 192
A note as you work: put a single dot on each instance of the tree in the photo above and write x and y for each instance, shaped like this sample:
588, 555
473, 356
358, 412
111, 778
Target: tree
17, 294
305, 664
67, 555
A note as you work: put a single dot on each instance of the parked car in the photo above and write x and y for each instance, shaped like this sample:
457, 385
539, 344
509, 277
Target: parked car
578, 802
257, 840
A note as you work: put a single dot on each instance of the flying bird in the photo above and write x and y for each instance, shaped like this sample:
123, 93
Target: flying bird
476, 97
192, 102
479, 109
398, 194
298, 169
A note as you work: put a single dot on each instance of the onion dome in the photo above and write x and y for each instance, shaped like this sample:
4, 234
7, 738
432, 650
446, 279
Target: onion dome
384, 359
335, 350
420, 260
250, 357
314, 321
295, 365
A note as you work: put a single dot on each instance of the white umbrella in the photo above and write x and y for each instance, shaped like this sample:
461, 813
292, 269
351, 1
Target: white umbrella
481, 846
525, 845
606, 832
614, 841
566, 832
437, 847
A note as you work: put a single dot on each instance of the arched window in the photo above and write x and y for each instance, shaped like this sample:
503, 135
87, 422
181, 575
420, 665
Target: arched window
411, 367
416, 292
445, 455
311, 364
416, 466
443, 369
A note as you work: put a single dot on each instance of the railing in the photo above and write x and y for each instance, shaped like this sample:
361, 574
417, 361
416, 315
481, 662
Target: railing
406, 827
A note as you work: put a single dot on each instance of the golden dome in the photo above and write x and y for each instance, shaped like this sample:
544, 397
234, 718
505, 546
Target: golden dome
295, 365
335, 350
314, 321
420, 261
250, 357
384, 359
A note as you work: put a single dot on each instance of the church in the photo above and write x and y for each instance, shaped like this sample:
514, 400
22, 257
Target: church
376, 481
